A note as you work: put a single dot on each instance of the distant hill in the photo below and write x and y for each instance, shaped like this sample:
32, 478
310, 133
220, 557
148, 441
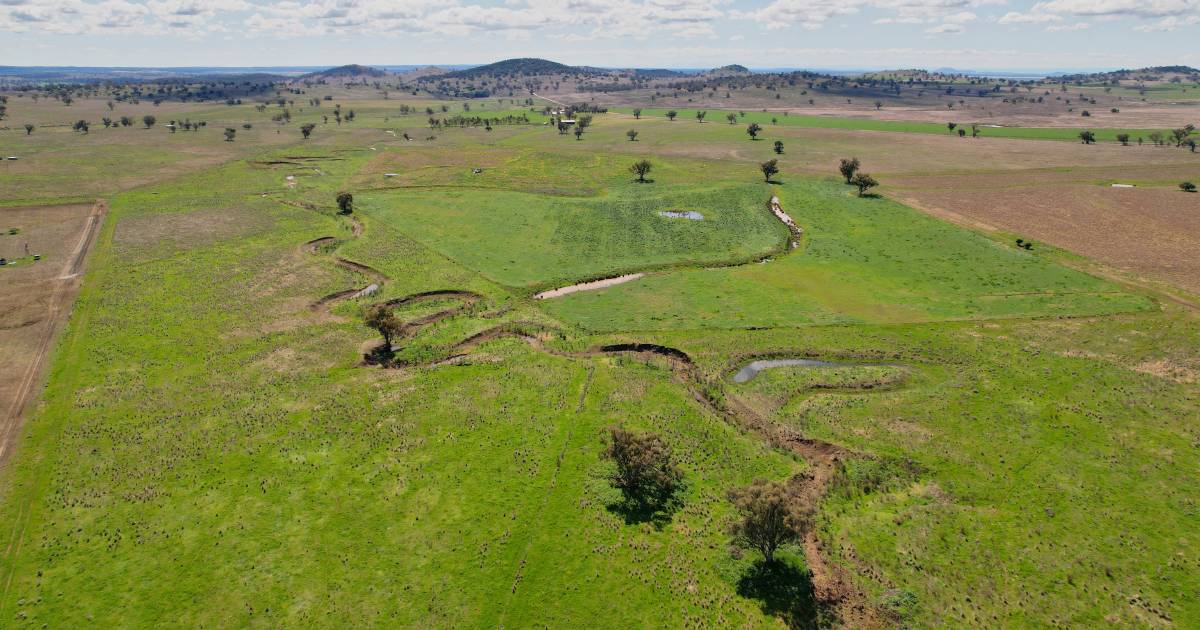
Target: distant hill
349, 71
527, 66
657, 73
417, 73
732, 70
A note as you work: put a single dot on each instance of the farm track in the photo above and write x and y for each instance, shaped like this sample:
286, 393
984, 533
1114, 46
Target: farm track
833, 587
57, 312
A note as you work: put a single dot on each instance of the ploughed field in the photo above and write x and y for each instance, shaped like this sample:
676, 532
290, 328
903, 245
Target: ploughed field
1013, 432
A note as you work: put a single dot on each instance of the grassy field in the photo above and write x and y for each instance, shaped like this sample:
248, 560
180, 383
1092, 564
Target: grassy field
963, 119
210, 449
863, 260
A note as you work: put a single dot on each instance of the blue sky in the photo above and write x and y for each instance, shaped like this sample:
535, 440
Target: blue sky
975, 34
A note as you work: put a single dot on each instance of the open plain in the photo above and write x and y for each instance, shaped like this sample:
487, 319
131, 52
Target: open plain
983, 432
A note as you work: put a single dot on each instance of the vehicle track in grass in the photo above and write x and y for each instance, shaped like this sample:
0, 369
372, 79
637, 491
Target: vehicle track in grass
58, 310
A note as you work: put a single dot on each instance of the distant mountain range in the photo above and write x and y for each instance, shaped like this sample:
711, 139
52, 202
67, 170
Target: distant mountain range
506, 68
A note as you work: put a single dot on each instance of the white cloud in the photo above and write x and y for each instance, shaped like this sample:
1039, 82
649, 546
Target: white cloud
945, 29
1028, 18
1130, 8
1169, 24
1078, 26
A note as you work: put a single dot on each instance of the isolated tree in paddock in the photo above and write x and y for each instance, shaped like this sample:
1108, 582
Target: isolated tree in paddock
149, 120
1180, 135
1156, 137
731, 117
637, 113
307, 129
641, 168
951, 126
382, 319
645, 472
81, 126
1187, 187
230, 133
753, 130
345, 202
126, 121
770, 514
779, 147
632, 135
1191, 145
769, 169
578, 133
28, 128
962, 133
108, 122
1123, 138
1087, 137
848, 168
672, 114
700, 115
878, 104
863, 182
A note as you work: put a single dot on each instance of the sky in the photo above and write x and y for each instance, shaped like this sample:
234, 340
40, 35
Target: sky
827, 34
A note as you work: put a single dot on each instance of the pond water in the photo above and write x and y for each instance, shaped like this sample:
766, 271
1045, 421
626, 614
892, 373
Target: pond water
677, 214
750, 370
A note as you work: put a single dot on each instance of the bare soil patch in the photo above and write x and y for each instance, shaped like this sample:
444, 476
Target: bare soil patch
1151, 232
138, 235
36, 298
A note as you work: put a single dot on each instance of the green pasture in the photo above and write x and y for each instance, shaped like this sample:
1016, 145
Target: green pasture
964, 121
861, 260
211, 451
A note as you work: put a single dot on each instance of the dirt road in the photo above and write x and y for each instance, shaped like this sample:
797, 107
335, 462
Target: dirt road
43, 328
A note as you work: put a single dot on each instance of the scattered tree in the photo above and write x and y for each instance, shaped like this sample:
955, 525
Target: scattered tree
307, 129
230, 132
753, 130
769, 169
29, 129
81, 126
578, 132
951, 126
637, 113
770, 514
1187, 187
1087, 137
149, 120
849, 168
863, 182
779, 147
645, 472
632, 135
732, 118
700, 115
1123, 138
641, 168
382, 319
672, 114
345, 202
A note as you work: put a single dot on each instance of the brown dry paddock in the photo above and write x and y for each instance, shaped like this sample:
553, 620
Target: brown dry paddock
36, 298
